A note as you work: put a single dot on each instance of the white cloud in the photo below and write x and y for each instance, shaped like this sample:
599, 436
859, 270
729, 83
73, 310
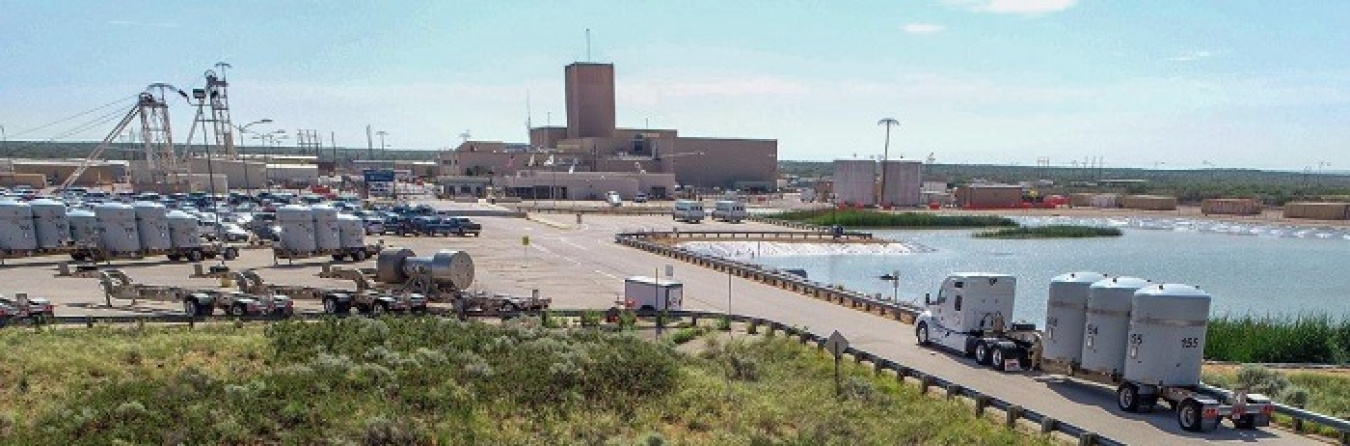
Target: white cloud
1190, 56
1015, 6
923, 28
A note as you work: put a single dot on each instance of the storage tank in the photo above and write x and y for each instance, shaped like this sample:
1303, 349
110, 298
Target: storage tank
50, 223
1107, 322
152, 225
327, 234
183, 232
297, 228
117, 227
83, 228
1065, 315
16, 226
1167, 335
855, 182
396, 265
352, 231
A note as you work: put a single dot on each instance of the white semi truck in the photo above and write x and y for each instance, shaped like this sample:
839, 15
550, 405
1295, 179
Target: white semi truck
1161, 340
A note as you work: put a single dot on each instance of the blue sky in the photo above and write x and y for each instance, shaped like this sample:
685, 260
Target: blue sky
1137, 83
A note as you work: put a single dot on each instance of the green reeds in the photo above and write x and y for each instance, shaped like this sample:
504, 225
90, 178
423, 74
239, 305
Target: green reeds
1301, 338
1051, 231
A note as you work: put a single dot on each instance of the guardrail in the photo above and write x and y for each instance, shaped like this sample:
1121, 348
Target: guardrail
781, 279
787, 224
762, 235
901, 312
926, 381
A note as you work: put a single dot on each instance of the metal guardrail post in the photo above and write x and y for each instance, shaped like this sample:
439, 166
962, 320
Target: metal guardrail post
925, 382
953, 391
981, 403
1087, 439
1011, 415
1048, 425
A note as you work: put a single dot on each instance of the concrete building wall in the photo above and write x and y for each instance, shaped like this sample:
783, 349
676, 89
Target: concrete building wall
57, 171
288, 174
547, 137
586, 185
590, 100
239, 173
904, 182
724, 163
855, 182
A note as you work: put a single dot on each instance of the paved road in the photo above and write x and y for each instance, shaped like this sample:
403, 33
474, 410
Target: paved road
589, 249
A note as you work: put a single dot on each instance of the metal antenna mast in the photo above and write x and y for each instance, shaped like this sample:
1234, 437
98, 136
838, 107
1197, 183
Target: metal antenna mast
588, 44
217, 91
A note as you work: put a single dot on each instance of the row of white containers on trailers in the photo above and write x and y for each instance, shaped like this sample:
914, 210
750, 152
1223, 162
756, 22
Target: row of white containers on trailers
310, 229
1127, 327
116, 228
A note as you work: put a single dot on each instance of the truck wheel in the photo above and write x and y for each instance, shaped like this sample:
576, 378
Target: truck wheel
330, 306
981, 353
508, 308
422, 309
204, 309
1189, 415
1127, 397
921, 332
997, 360
174, 257
378, 309
231, 253
359, 255
195, 256
1247, 421
236, 310
189, 308
336, 257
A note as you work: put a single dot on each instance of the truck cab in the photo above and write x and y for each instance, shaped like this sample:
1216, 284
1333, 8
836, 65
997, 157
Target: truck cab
969, 315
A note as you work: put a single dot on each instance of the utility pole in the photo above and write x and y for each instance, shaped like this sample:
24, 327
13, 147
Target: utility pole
885, 155
370, 144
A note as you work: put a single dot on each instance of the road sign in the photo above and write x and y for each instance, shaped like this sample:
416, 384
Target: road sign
836, 344
379, 175
525, 240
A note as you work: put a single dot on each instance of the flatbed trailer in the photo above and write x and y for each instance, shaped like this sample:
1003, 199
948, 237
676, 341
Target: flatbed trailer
967, 318
353, 254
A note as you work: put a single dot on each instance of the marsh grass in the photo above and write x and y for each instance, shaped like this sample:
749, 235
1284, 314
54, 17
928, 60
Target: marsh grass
1301, 338
429, 380
1050, 231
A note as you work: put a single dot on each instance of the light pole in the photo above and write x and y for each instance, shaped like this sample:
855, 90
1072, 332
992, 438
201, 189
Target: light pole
894, 278
885, 155
243, 131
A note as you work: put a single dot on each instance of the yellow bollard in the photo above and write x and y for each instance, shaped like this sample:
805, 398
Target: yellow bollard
226, 281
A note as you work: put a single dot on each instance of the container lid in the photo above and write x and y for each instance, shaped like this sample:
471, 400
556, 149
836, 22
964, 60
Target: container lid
1083, 277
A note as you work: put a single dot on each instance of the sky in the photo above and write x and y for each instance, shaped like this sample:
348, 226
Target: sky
1140, 83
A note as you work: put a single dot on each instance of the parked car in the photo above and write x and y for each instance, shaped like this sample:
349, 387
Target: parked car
374, 225
641, 197
462, 226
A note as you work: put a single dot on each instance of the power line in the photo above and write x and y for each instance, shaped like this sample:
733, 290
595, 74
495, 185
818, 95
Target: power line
95, 109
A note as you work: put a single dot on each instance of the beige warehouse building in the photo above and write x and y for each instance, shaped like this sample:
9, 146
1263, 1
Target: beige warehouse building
592, 143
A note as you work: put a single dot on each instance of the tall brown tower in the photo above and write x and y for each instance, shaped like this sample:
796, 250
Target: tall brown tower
590, 100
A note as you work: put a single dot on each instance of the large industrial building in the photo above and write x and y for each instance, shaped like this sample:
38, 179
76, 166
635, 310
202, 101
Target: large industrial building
857, 183
656, 159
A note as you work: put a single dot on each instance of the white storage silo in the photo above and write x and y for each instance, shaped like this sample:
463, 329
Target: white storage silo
83, 228
1107, 322
16, 226
352, 231
183, 230
117, 227
327, 234
152, 225
1066, 314
903, 183
50, 224
1167, 335
854, 182
297, 228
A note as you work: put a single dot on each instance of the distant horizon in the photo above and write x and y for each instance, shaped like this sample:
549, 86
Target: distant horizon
377, 150
1244, 83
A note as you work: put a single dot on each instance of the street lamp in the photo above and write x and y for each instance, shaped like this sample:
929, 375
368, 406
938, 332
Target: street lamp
243, 131
894, 278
